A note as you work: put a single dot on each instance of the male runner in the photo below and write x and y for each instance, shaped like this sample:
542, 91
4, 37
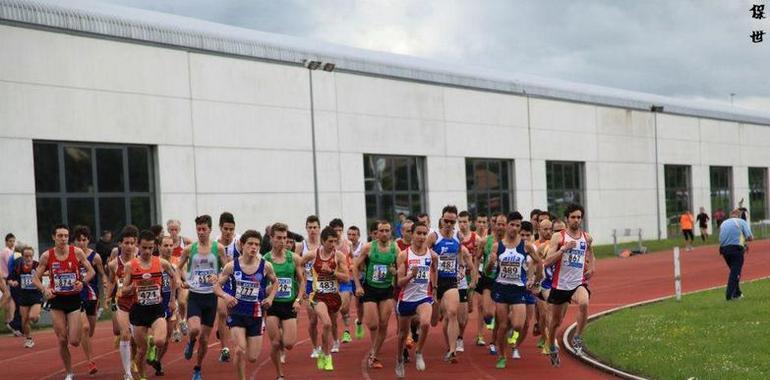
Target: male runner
247, 273
30, 298
329, 270
204, 261
282, 315
143, 280
570, 250
168, 287
228, 239
121, 305
530, 300
346, 289
379, 259
354, 237
514, 278
90, 293
403, 243
174, 226
486, 281
450, 252
306, 247
417, 280
546, 232
470, 240
63, 262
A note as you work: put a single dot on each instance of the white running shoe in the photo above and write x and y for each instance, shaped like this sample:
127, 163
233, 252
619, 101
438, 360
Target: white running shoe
460, 346
515, 354
29, 343
283, 357
336, 346
419, 362
400, 369
70, 376
315, 353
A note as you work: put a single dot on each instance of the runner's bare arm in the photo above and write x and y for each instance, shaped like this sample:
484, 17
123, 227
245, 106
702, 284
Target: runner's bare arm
128, 285
492, 260
359, 261
403, 275
554, 251
469, 265
434, 269
590, 257
299, 272
90, 272
184, 257
270, 275
340, 271
37, 279
224, 277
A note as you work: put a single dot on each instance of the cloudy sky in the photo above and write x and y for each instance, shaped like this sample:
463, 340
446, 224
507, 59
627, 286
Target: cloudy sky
692, 49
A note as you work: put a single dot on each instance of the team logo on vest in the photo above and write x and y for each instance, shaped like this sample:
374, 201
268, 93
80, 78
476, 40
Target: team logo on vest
146, 276
238, 275
582, 245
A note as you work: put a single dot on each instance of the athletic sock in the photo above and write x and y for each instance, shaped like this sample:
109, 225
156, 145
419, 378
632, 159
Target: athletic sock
125, 356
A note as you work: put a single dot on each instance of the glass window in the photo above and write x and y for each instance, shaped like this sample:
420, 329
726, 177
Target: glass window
105, 187
489, 189
758, 194
678, 188
566, 184
721, 188
393, 184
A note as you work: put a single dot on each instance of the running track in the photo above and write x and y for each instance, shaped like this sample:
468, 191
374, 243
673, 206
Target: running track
618, 282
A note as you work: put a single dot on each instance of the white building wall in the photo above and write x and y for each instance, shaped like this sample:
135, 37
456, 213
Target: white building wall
234, 134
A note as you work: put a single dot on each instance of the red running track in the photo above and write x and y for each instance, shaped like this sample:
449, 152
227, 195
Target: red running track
618, 282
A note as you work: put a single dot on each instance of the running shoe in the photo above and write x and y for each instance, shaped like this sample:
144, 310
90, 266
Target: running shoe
328, 366
29, 343
419, 361
492, 349
359, 330
283, 356
400, 373
316, 353
188, 350
500, 363
128, 377
176, 336
513, 338
515, 354
374, 363
183, 327
346, 337
554, 356
577, 343
158, 368
320, 361
151, 349
541, 342
134, 367
99, 312
196, 374
491, 325
335, 346
224, 355
70, 376
92, 368
450, 357
480, 341
545, 350
460, 346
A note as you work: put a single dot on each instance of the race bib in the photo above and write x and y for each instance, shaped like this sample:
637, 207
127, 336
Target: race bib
509, 270
379, 272
247, 291
201, 277
423, 274
148, 295
26, 282
64, 282
327, 286
447, 264
575, 258
284, 287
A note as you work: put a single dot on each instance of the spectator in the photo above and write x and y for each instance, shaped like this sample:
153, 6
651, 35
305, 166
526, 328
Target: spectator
401, 220
104, 247
719, 217
734, 236
6, 302
686, 224
703, 223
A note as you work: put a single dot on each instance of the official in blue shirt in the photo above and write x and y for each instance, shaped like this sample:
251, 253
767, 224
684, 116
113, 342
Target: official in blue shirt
734, 237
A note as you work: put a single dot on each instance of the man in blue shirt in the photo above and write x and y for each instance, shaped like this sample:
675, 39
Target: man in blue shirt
734, 237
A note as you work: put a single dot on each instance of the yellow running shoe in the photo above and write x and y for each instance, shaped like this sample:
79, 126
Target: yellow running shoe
320, 362
513, 338
328, 366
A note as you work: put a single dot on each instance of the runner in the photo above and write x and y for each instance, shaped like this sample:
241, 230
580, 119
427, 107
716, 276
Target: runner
247, 273
90, 293
30, 298
282, 315
547, 229
203, 262
354, 236
7, 302
143, 280
63, 262
450, 252
174, 226
417, 280
569, 251
487, 280
703, 223
470, 240
403, 243
346, 289
379, 259
228, 239
329, 271
306, 247
121, 305
514, 277
530, 300
169, 287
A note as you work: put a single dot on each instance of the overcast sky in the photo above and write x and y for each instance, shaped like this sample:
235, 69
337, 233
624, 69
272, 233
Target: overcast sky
693, 49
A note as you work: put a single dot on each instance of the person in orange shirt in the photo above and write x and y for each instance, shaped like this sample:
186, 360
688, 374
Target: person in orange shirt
686, 222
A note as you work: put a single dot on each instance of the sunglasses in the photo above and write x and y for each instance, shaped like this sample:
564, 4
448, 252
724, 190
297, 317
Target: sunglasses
452, 222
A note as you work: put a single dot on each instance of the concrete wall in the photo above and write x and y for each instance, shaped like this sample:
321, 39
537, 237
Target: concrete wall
234, 134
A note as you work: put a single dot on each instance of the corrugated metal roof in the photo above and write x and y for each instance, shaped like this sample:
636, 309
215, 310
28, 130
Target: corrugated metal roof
152, 27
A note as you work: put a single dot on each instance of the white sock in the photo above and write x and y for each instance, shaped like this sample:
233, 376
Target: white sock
125, 356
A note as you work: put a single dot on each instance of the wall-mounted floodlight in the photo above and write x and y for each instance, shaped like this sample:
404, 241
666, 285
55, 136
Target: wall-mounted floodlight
656, 108
312, 65
329, 66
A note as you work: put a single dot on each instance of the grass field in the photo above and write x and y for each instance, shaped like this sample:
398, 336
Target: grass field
607, 250
701, 337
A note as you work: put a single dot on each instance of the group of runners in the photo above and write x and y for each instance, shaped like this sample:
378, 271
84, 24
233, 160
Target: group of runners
516, 274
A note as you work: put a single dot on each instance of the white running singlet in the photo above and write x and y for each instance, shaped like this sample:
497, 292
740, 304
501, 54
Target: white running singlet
418, 288
568, 273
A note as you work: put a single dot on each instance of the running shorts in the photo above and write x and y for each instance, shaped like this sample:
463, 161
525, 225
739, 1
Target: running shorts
333, 301
509, 294
203, 306
67, 304
558, 296
377, 295
409, 309
145, 316
282, 310
252, 325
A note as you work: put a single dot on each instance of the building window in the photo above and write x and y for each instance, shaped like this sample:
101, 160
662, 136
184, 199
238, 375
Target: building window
678, 186
393, 184
489, 184
566, 184
758, 193
721, 178
98, 185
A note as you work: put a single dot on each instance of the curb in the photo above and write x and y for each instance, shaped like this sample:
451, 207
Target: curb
593, 361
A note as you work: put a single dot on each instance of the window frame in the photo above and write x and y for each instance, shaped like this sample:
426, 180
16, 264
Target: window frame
418, 191
578, 188
507, 188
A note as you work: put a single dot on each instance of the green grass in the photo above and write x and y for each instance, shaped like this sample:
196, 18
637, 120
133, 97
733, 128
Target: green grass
701, 337
607, 250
